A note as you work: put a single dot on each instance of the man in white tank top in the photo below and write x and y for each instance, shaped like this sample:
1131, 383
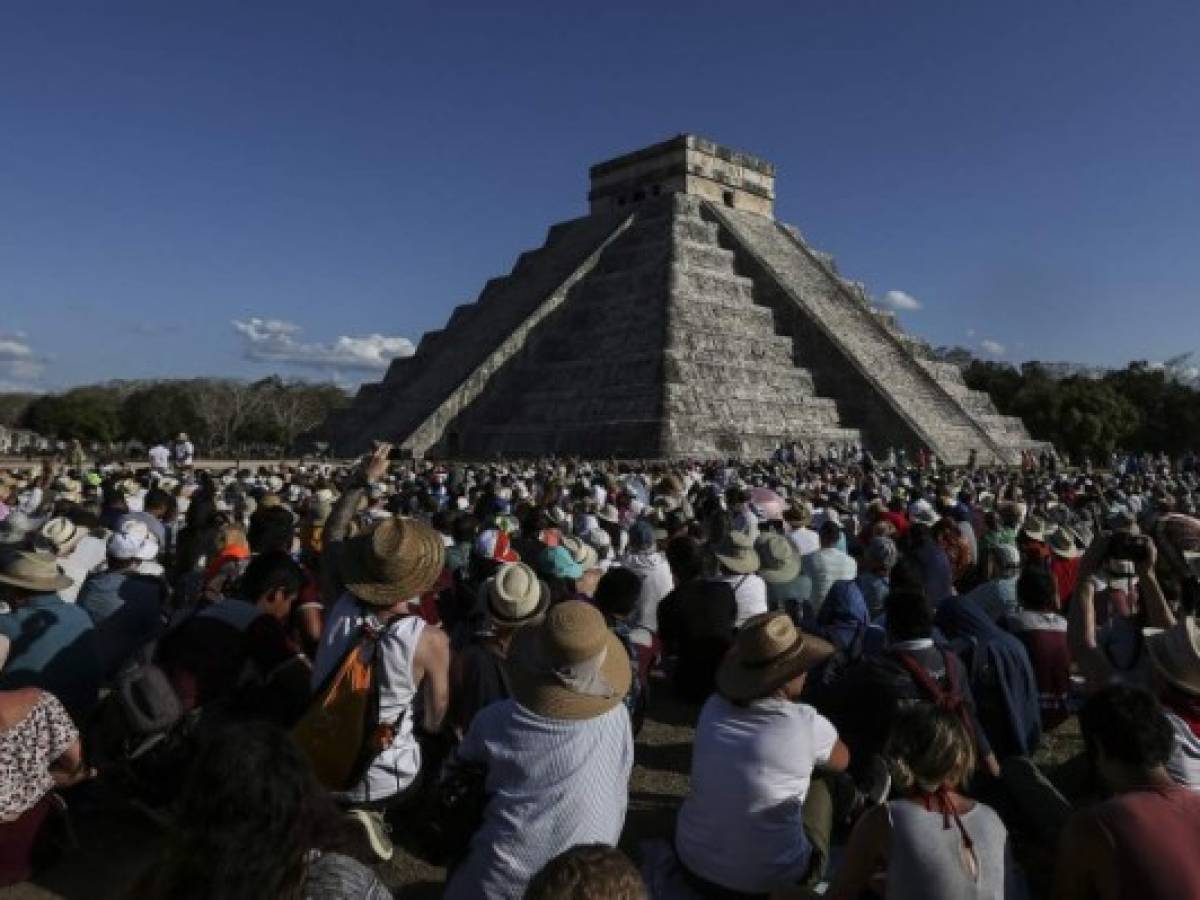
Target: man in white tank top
384, 572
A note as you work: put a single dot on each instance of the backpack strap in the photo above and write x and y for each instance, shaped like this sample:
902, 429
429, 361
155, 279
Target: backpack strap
950, 698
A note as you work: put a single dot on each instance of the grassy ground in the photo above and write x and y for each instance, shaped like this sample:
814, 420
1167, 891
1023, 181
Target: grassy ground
116, 843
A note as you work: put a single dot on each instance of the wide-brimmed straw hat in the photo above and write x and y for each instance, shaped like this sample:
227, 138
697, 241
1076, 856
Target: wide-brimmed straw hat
569, 665
768, 653
778, 557
515, 594
33, 571
397, 559
1175, 652
736, 552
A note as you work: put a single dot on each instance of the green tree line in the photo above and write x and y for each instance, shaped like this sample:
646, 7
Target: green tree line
1141, 407
219, 414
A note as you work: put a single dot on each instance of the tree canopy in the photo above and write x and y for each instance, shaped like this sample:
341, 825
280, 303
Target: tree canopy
219, 414
1142, 407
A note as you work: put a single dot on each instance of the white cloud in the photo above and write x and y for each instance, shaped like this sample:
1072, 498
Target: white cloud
20, 364
277, 341
970, 332
900, 301
995, 348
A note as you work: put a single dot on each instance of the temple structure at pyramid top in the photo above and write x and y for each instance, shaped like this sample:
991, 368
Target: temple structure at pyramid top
684, 165
677, 319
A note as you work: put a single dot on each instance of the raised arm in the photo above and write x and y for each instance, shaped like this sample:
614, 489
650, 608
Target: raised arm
337, 526
1081, 620
1158, 612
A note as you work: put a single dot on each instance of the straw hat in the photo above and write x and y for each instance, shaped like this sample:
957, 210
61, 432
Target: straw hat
769, 652
569, 665
1062, 543
1036, 529
1175, 652
779, 558
581, 552
63, 535
736, 553
397, 559
33, 571
515, 594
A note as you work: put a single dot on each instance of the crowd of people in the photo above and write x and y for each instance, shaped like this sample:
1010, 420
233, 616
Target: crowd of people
290, 666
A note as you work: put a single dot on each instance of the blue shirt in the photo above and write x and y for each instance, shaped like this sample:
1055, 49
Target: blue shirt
127, 610
52, 645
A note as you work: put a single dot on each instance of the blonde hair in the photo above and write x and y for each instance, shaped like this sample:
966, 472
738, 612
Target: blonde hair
929, 748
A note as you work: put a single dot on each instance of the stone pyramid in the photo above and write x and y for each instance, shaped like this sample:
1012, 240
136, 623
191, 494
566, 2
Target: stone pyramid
678, 319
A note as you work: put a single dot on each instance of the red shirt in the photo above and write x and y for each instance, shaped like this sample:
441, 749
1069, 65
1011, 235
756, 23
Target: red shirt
1155, 832
1066, 576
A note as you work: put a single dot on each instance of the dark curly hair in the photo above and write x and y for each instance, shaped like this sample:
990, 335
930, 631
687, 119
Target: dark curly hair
250, 813
1129, 725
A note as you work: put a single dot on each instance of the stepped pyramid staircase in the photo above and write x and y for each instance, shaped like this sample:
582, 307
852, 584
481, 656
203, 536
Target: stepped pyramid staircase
678, 319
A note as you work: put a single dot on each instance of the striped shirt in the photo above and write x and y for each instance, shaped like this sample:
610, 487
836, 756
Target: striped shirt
551, 784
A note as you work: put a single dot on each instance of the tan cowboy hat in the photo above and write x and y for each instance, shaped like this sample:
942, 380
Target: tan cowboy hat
581, 552
515, 594
33, 571
1062, 543
569, 665
736, 552
1036, 529
768, 653
63, 535
779, 558
1175, 652
397, 559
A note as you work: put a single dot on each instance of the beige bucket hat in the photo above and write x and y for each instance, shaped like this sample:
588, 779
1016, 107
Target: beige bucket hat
569, 665
769, 652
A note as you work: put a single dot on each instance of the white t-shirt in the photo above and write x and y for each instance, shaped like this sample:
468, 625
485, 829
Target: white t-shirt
750, 592
805, 540
657, 582
742, 824
825, 567
87, 557
184, 451
160, 457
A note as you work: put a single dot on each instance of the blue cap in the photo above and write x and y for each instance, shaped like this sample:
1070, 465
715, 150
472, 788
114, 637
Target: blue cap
556, 562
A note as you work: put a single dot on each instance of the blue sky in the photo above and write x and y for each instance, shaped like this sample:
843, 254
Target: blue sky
337, 177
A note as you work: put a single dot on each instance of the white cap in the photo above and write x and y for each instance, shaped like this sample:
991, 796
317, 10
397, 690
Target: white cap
133, 541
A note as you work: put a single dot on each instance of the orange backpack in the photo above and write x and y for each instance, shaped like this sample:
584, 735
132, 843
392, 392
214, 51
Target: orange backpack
337, 731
